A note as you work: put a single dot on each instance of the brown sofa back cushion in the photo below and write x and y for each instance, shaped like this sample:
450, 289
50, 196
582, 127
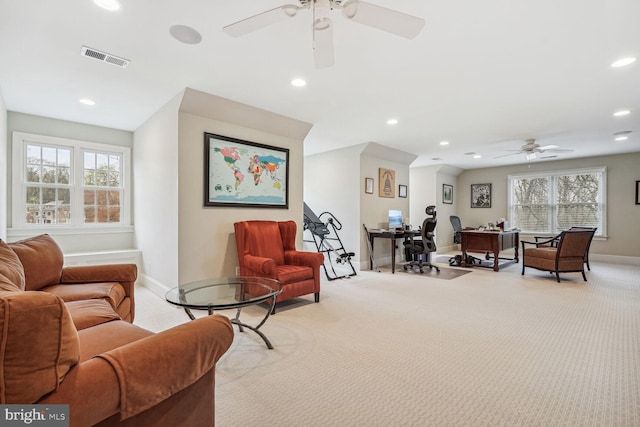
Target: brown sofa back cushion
42, 260
11, 271
38, 346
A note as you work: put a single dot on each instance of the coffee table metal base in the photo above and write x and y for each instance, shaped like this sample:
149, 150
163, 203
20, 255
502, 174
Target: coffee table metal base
241, 325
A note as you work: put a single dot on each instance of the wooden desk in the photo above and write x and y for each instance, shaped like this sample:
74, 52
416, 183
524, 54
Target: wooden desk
392, 236
489, 242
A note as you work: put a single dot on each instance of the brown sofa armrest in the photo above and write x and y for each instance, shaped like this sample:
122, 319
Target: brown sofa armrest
182, 355
126, 274
91, 390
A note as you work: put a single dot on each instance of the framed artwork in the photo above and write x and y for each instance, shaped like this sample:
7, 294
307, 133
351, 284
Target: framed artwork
480, 195
637, 192
402, 191
447, 194
244, 174
368, 185
386, 183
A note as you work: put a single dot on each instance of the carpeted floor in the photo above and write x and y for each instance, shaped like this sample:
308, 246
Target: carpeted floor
485, 349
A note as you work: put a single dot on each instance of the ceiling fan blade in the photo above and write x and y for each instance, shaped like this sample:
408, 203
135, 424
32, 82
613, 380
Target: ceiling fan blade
323, 42
510, 154
391, 21
548, 147
261, 20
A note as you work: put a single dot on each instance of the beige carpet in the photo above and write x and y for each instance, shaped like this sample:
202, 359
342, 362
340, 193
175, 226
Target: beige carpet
485, 349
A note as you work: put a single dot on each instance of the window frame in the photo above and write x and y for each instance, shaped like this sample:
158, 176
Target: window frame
553, 175
77, 147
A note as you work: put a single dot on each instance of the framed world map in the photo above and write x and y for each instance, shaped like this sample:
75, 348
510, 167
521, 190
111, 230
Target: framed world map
244, 174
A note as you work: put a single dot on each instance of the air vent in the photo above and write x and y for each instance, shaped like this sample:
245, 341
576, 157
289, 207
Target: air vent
104, 57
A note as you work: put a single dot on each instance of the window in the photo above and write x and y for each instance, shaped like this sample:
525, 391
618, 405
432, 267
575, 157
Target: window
552, 202
66, 183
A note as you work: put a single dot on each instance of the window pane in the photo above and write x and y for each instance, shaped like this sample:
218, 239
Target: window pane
33, 173
48, 195
101, 178
114, 178
534, 218
49, 175
89, 215
89, 177
101, 197
103, 215
49, 156
531, 191
63, 175
64, 196
33, 195
34, 154
102, 161
114, 198
33, 215
89, 197
89, 161
114, 214
64, 157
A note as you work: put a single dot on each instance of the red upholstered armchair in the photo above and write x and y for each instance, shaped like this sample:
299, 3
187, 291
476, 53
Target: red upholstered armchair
267, 249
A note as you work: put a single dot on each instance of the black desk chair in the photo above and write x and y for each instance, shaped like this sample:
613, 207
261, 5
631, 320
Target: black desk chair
425, 246
457, 239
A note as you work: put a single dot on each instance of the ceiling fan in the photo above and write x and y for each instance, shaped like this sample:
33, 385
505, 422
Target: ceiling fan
531, 149
378, 17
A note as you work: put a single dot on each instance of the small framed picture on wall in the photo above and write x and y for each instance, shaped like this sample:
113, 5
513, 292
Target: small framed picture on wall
480, 195
447, 194
368, 185
402, 191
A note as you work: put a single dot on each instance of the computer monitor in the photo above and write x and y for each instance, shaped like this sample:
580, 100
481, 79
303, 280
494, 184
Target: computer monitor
395, 218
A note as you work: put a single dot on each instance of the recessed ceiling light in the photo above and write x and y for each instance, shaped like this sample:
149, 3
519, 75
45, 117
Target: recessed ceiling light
623, 62
444, 142
477, 156
111, 5
185, 34
621, 113
621, 138
392, 121
87, 101
298, 82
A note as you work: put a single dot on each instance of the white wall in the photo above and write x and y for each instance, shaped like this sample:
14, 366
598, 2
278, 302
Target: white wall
69, 241
181, 240
155, 175
4, 170
623, 215
332, 183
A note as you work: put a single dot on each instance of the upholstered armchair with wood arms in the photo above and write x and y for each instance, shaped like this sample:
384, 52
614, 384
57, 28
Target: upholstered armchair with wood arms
563, 253
267, 249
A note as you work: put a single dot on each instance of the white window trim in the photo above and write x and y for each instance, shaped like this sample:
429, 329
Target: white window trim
602, 169
18, 171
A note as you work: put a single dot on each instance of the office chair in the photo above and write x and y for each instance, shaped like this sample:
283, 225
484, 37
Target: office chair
425, 246
457, 239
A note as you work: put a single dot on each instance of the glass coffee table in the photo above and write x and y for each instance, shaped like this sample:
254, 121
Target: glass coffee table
227, 293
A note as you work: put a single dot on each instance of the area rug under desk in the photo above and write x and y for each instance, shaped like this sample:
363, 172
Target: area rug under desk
444, 274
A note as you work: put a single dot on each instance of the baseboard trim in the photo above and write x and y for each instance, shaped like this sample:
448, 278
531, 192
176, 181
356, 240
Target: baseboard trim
153, 285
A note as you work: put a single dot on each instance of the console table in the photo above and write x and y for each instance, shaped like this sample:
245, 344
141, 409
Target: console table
489, 242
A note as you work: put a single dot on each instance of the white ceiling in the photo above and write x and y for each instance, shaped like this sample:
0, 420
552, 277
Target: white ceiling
483, 75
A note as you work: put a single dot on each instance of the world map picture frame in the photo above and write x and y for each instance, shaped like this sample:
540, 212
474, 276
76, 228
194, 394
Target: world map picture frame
240, 173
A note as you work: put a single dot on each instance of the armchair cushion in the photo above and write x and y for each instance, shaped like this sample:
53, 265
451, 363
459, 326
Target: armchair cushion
112, 292
34, 323
42, 260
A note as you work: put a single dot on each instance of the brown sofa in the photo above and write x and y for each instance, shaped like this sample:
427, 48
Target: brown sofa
67, 338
